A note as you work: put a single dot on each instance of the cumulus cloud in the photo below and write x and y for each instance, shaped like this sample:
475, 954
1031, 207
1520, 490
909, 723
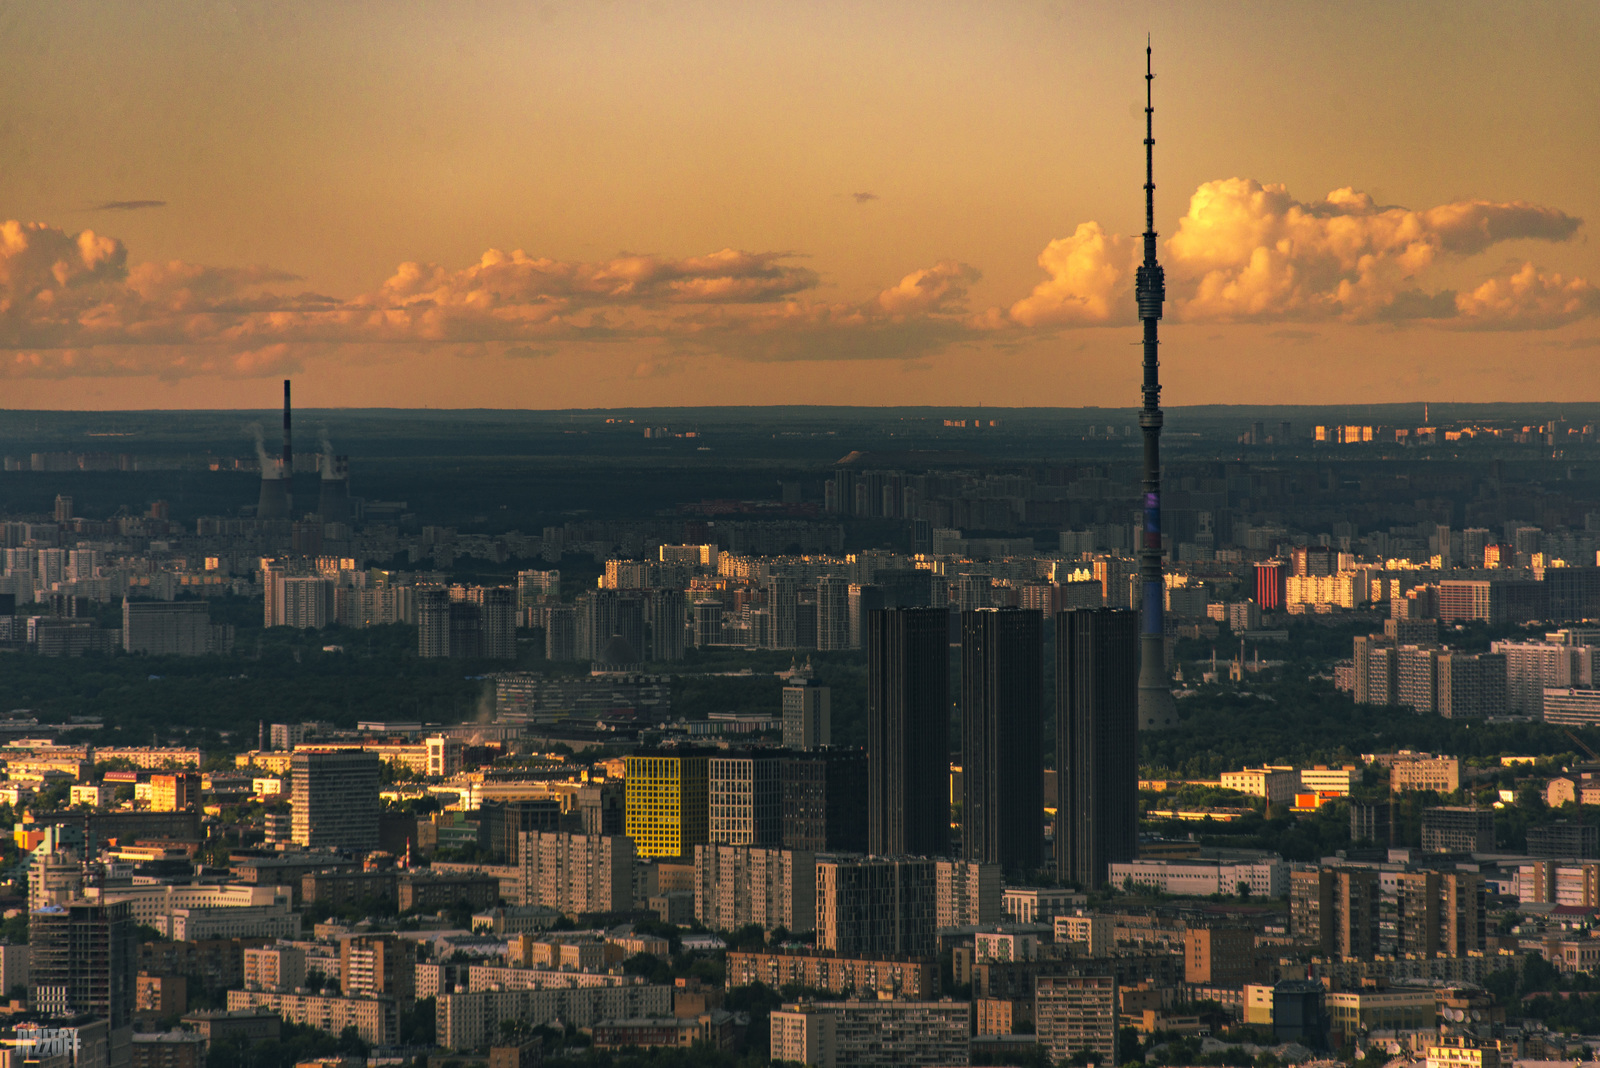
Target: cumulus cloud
1251, 252
72, 305
1527, 299
938, 288
1090, 283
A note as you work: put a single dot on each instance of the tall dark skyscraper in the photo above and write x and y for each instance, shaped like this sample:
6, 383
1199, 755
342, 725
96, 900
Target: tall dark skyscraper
1157, 709
908, 731
1002, 737
1097, 769
85, 960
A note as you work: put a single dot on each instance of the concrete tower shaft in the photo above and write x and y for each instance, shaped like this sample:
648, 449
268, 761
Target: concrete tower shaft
1157, 709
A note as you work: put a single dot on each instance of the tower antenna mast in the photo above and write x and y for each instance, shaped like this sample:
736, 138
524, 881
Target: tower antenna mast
1157, 709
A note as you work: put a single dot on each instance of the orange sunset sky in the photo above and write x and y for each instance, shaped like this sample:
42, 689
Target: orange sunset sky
593, 204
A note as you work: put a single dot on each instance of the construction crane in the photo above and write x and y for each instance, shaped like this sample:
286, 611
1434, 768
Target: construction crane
1579, 743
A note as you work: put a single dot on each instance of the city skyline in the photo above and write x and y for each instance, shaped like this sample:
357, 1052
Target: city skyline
579, 208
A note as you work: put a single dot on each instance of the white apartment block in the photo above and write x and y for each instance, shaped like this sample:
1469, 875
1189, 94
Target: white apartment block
1561, 661
1003, 946
1201, 878
1326, 780
154, 905
1037, 904
1277, 785
1572, 707
1096, 933
249, 921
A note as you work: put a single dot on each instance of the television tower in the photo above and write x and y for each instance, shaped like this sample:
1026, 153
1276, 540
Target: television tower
1157, 709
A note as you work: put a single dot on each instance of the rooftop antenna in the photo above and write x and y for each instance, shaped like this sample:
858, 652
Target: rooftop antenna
1157, 709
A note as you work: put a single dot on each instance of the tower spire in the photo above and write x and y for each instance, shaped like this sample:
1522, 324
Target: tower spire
1149, 159
1157, 709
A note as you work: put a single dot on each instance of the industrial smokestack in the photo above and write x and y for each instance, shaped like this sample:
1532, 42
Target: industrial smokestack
288, 447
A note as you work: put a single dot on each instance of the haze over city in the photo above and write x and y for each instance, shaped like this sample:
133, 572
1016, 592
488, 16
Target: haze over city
744, 535
583, 205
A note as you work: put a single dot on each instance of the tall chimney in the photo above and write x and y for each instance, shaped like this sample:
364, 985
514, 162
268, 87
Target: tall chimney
288, 448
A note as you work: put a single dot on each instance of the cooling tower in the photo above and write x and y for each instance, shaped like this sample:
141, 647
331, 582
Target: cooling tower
277, 475
333, 505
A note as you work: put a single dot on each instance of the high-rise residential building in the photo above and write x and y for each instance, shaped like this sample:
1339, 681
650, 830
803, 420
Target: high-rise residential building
825, 801
1002, 738
1471, 685
1558, 662
1372, 822
172, 628
578, 873
601, 808
966, 893
887, 1033
707, 622
63, 510
84, 959
1219, 956
783, 602
667, 802
865, 599
1113, 573
876, 906
473, 622
1457, 829
908, 732
433, 623
1314, 560
1271, 577
665, 623
1376, 670
302, 601
334, 798
497, 608
1073, 1013
1416, 675
605, 615
1097, 813
1335, 910
176, 791
378, 966
1563, 839
503, 823
833, 613
274, 968
746, 798
560, 632
807, 714
739, 885
1440, 912
287, 735
536, 587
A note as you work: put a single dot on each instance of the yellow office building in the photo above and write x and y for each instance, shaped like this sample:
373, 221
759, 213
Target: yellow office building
667, 801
